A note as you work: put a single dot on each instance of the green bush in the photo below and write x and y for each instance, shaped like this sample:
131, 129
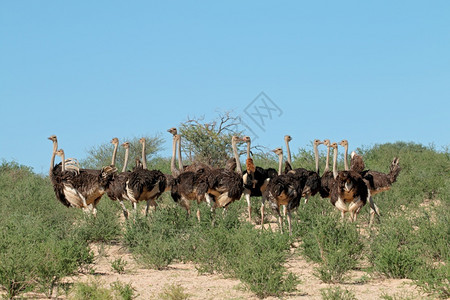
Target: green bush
104, 227
173, 292
123, 291
155, 240
92, 290
118, 265
394, 250
337, 293
335, 244
38, 244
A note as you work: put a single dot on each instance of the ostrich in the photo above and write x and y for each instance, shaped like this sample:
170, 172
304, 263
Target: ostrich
327, 179
117, 188
312, 178
144, 184
55, 174
184, 183
283, 190
357, 163
255, 179
83, 188
349, 188
376, 182
344, 143
223, 185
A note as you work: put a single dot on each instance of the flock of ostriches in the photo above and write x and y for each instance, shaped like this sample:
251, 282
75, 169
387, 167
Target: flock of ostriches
348, 190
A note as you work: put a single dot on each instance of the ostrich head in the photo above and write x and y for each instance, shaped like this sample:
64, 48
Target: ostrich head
115, 141
317, 142
246, 139
53, 138
235, 139
278, 151
326, 142
334, 146
142, 141
287, 138
126, 145
172, 130
60, 152
343, 143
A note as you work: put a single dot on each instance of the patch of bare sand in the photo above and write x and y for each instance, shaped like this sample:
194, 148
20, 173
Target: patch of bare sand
150, 283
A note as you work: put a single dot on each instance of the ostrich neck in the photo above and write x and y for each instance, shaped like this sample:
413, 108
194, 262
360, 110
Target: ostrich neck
180, 161
345, 158
280, 163
52, 161
236, 156
144, 157
335, 153
327, 163
113, 160
316, 155
248, 149
125, 163
288, 149
63, 162
172, 161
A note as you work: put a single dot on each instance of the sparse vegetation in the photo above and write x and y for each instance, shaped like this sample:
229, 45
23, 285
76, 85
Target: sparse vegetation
411, 240
118, 265
337, 293
173, 292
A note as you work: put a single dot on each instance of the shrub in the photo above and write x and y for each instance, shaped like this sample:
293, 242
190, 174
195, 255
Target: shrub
394, 251
335, 244
92, 290
123, 291
173, 292
104, 227
337, 293
118, 265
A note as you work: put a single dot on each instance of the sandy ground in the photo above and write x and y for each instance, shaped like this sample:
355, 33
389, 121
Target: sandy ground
150, 283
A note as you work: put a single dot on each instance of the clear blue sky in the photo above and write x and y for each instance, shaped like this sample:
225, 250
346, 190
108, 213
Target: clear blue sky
88, 71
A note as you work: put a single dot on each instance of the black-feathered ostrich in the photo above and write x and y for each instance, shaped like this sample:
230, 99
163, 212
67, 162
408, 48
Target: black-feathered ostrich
184, 185
255, 179
55, 174
311, 178
377, 182
145, 185
284, 189
327, 179
349, 189
117, 189
80, 187
223, 185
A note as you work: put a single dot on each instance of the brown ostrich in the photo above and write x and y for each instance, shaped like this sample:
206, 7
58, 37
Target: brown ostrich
117, 190
83, 188
145, 185
284, 189
377, 182
349, 189
255, 179
327, 179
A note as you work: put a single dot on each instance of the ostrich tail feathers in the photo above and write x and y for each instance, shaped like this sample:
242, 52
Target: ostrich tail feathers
394, 170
